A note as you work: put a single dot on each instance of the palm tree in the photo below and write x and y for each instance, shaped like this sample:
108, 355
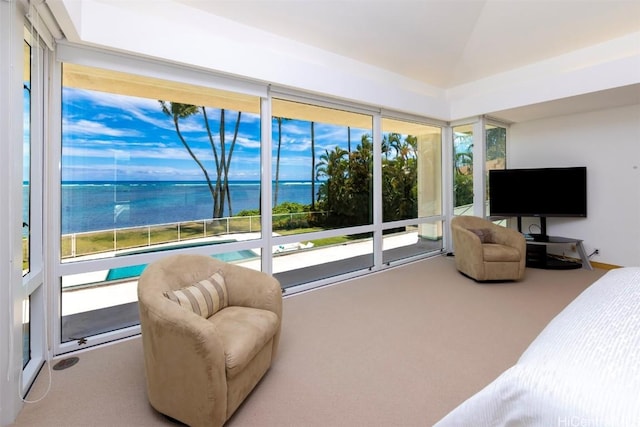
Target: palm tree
178, 111
333, 169
389, 142
220, 192
228, 162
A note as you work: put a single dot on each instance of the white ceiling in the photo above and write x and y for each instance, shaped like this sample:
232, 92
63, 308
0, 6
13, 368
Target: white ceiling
443, 43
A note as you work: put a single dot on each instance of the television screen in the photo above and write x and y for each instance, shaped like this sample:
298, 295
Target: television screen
540, 192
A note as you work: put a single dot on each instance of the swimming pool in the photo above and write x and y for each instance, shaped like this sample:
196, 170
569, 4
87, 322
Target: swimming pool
131, 271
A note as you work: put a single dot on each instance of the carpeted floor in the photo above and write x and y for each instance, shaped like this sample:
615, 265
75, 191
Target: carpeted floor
398, 348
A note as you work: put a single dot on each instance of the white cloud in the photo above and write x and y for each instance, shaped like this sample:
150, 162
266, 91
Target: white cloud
89, 127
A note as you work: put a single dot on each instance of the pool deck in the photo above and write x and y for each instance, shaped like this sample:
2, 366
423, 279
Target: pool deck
293, 257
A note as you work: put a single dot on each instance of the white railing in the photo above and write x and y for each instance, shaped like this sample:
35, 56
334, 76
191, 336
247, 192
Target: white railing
208, 225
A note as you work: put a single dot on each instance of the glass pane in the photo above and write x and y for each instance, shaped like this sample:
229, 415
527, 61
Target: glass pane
148, 165
107, 300
413, 240
26, 162
411, 186
463, 170
316, 259
26, 331
411, 170
496, 154
148, 162
322, 180
322, 166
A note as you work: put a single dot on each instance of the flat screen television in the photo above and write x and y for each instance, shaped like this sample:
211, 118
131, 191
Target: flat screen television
538, 192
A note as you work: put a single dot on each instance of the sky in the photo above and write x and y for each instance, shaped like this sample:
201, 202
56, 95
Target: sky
110, 137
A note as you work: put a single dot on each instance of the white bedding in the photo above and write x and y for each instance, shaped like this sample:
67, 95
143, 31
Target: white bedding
583, 369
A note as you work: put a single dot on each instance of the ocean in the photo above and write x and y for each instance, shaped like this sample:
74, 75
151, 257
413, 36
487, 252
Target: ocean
91, 206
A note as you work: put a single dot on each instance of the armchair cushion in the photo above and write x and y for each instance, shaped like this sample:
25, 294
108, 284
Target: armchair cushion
204, 298
243, 331
500, 253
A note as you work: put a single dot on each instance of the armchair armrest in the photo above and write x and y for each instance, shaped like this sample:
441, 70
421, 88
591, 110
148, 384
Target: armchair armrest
509, 237
468, 250
466, 241
184, 361
252, 288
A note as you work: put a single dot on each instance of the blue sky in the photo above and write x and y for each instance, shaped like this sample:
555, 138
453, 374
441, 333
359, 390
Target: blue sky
108, 136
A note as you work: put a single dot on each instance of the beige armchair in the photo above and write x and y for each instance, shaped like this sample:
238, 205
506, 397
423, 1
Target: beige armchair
200, 367
486, 251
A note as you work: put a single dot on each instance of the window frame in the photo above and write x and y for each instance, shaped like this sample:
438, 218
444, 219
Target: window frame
157, 69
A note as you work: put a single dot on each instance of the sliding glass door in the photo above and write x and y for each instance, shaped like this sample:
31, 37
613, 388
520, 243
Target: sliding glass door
322, 191
411, 163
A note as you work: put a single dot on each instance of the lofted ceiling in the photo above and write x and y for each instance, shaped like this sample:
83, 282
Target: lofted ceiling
443, 43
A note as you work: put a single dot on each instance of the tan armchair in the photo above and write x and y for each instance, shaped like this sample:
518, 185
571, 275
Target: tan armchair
199, 369
486, 251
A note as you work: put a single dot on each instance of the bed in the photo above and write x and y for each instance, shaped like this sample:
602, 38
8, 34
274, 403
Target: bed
582, 370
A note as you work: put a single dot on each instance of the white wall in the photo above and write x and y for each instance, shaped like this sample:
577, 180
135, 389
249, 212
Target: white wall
172, 32
607, 142
604, 66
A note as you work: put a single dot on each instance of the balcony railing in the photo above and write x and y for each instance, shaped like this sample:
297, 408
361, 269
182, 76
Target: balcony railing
130, 238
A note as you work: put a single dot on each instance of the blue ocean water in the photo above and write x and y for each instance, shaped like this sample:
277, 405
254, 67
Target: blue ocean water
91, 206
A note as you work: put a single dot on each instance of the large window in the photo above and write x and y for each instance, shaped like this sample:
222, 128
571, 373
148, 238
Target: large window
411, 188
496, 153
148, 165
463, 170
322, 180
488, 141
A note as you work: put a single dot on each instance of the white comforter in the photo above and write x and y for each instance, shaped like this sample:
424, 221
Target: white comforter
583, 369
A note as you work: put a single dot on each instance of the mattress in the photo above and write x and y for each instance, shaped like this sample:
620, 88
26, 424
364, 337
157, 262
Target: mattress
583, 369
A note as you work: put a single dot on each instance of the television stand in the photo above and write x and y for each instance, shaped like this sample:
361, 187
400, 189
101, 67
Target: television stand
537, 256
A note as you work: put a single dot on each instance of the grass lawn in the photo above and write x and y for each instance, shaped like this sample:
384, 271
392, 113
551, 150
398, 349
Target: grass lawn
131, 238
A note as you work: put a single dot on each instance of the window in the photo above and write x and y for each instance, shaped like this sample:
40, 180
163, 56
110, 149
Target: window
463, 170
154, 165
26, 163
496, 153
33, 298
148, 165
411, 188
322, 180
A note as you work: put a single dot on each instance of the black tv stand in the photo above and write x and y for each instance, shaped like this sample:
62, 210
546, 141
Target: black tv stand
539, 237
537, 256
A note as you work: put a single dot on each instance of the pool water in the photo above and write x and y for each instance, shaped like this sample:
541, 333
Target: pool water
136, 270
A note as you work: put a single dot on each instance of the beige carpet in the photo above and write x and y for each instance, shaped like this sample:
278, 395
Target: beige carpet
397, 348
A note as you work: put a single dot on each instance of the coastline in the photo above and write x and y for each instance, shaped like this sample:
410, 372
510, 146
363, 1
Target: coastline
105, 205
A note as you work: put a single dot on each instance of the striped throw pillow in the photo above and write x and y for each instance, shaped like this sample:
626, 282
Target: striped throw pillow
204, 298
